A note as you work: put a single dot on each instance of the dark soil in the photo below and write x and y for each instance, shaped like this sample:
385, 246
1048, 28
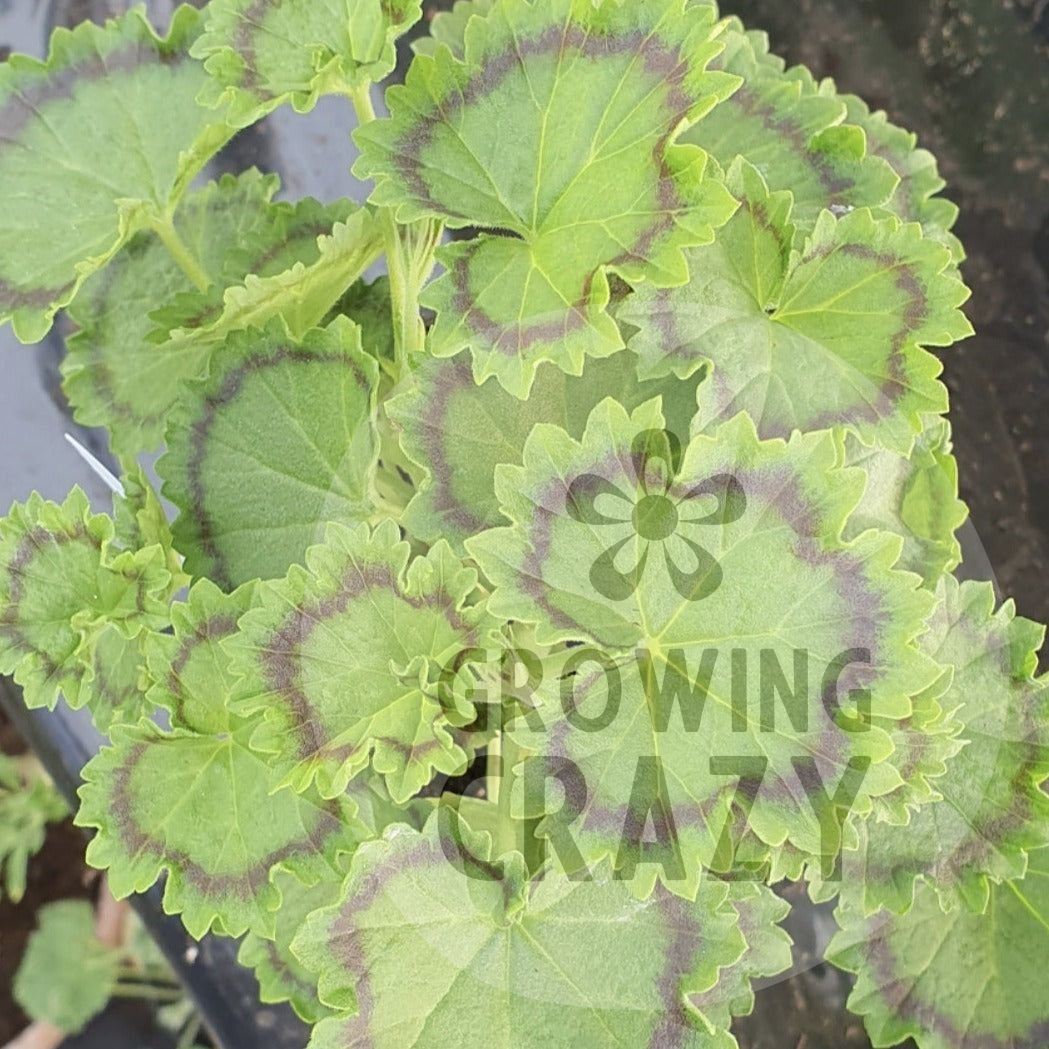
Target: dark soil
57, 873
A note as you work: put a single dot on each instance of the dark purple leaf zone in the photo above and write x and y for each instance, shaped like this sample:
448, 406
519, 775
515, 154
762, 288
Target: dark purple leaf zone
208, 632
41, 542
515, 338
909, 1011
402, 153
281, 654
196, 529
997, 781
138, 839
28, 90
698, 935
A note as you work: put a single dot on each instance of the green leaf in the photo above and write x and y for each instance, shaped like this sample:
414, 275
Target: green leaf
306, 267
115, 685
448, 27
123, 371
282, 977
28, 803
140, 520
916, 498
498, 959
61, 585
958, 979
345, 657
67, 976
854, 304
263, 54
276, 441
460, 432
370, 307
189, 666
208, 812
993, 810
597, 97
716, 574
793, 134
96, 143
915, 199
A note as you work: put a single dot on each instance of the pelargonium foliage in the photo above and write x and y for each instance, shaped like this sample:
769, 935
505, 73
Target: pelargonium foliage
528, 614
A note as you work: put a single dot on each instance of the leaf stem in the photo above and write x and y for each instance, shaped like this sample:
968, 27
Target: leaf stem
148, 992
179, 251
503, 755
410, 258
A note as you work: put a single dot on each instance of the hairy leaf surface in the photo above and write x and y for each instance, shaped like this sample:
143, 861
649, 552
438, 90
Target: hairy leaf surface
746, 628
125, 364
597, 96
191, 670
954, 980
994, 811
915, 199
853, 304
282, 977
278, 440
780, 122
460, 432
345, 658
205, 810
915, 497
262, 53
61, 585
107, 130
501, 959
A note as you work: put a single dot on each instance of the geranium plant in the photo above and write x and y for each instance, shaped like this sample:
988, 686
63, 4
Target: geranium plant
531, 610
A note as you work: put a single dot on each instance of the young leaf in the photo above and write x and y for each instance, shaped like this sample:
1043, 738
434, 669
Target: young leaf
299, 278
114, 689
107, 131
28, 803
67, 976
994, 811
282, 977
140, 520
123, 372
276, 441
345, 659
448, 27
189, 666
597, 96
720, 575
958, 979
61, 585
781, 124
261, 53
916, 498
498, 959
369, 306
854, 304
460, 432
192, 806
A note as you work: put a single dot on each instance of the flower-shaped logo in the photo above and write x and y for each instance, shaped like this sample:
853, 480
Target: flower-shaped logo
659, 512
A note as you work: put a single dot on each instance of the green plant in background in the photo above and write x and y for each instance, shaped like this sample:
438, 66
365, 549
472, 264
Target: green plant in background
74, 966
634, 498
28, 804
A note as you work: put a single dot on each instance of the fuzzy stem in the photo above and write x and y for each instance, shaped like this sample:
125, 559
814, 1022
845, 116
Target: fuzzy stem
177, 248
410, 257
